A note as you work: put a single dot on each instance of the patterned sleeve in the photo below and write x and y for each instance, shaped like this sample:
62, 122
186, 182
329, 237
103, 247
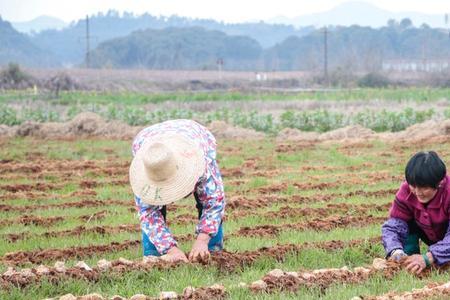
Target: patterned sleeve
211, 194
153, 225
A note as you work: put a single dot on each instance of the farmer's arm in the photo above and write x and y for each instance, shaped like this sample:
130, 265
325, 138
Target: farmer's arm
211, 196
440, 251
210, 190
395, 230
393, 233
154, 226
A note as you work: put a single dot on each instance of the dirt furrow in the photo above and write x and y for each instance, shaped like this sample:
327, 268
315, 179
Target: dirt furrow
330, 209
278, 280
77, 231
62, 166
224, 261
75, 204
431, 291
214, 292
39, 256
243, 203
319, 224
32, 220
44, 187
45, 221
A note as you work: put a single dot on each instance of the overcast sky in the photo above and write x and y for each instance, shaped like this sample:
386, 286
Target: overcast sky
224, 10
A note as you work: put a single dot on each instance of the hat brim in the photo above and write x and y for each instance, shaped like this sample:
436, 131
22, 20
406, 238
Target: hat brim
190, 163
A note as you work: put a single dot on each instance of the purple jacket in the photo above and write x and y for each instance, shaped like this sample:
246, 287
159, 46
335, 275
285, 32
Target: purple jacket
433, 218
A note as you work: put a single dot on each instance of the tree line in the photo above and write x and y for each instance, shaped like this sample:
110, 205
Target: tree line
352, 48
146, 41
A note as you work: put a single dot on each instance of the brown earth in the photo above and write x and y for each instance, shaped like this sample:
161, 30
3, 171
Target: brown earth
224, 261
41, 186
432, 290
223, 130
39, 256
295, 135
318, 224
44, 221
77, 231
214, 292
342, 209
243, 203
230, 262
83, 125
357, 212
78, 204
90, 124
278, 280
32, 220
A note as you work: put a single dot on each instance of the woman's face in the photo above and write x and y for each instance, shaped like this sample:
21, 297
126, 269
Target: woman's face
423, 194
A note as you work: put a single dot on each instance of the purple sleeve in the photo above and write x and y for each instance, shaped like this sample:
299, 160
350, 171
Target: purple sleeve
394, 233
441, 249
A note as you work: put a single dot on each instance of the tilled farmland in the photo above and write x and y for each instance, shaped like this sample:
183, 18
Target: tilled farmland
301, 222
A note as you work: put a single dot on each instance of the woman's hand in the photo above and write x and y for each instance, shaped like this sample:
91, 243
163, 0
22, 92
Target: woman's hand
415, 264
200, 250
397, 255
174, 255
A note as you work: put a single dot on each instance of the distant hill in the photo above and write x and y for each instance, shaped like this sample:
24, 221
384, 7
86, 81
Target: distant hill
177, 48
117, 43
359, 48
39, 24
349, 48
360, 13
17, 47
69, 43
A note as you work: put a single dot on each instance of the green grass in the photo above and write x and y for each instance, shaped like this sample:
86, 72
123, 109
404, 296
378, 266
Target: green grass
132, 108
133, 98
353, 163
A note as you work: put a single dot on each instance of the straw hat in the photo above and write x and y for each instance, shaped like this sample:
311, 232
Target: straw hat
166, 168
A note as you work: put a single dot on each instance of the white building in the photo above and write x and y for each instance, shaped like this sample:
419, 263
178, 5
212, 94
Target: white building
416, 65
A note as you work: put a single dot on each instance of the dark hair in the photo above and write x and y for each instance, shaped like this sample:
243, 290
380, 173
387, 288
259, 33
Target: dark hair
425, 169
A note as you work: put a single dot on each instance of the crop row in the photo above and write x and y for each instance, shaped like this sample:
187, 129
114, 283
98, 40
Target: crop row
315, 120
225, 261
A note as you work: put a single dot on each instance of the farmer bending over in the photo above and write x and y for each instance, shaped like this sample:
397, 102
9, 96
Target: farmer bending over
421, 210
172, 160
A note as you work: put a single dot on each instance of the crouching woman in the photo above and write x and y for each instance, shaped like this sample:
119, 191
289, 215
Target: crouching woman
420, 211
173, 160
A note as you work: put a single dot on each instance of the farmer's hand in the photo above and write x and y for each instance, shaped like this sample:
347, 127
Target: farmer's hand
415, 264
200, 250
174, 255
397, 255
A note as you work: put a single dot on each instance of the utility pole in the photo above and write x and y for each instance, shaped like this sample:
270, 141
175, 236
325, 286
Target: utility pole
87, 39
325, 56
219, 63
448, 30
